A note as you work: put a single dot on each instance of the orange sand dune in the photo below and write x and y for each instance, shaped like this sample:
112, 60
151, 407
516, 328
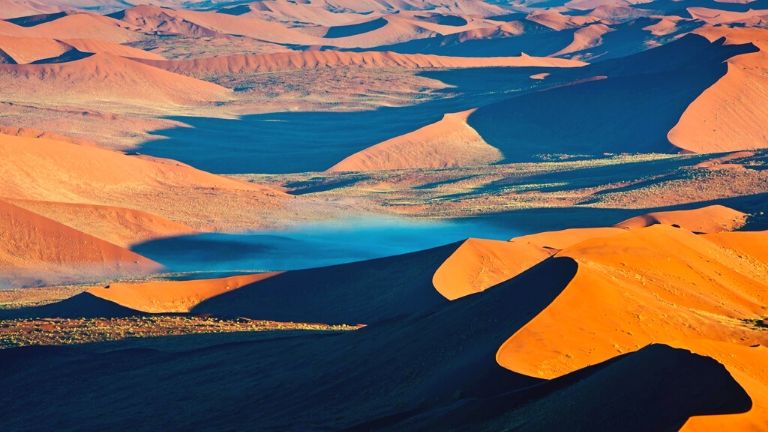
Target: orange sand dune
751, 18
100, 46
448, 143
36, 249
35, 133
104, 77
664, 26
480, 264
656, 285
27, 50
395, 29
205, 24
711, 219
307, 13
557, 21
49, 170
731, 114
171, 296
584, 38
245, 63
21, 8
57, 171
86, 26
121, 226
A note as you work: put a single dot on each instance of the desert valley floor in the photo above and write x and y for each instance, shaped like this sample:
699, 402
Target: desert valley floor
396, 215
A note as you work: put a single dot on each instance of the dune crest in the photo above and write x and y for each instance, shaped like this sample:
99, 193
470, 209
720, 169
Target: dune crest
479, 264
711, 219
450, 142
171, 296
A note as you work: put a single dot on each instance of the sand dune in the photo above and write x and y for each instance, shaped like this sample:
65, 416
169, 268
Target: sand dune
480, 264
35, 249
557, 21
171, 296
751, 18
448, 143
121, 226
237, 64
657, 284
712, 219
27, 50
729, 115
57, 171
205, 24
584, 38
86, 26
105, 77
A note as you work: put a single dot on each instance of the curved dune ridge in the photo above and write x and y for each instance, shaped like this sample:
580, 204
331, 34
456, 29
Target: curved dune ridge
105, 77
731, 113
573, 327
34, 248
450, 142
24, 50
171, 296
585, 38
656, 284
711, 219
245, 63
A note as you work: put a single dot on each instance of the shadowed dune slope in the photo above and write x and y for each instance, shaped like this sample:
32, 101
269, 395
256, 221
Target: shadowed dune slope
106, 78
35, 248
637, 104
448, 143
251, 63
432, 364
356, 293
711, 219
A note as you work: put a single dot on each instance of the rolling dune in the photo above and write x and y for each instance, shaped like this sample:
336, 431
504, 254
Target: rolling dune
35, 250
448, 143
105, 77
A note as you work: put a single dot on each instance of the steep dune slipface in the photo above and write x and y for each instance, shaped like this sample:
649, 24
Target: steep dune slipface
657, 284
104, 47
35, 249
105, 78
732, 113
711, 219
451, 142
171, 296
251, 63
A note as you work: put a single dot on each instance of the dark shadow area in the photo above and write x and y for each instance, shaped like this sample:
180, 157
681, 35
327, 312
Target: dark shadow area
443, 19
537, 40
657, 388
33, 20
314, 141
71, 55
312, 382
632, 110
355, 29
